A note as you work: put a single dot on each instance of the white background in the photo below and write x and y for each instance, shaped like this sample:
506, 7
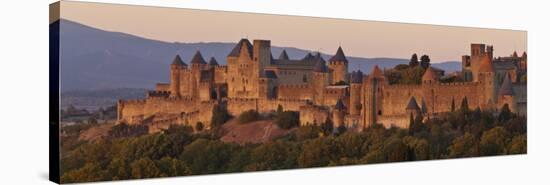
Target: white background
24, 91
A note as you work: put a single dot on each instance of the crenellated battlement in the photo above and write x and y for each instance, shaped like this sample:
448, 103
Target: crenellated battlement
251, 80
291, 100
162, 94
242, 99
460, 84
403, 86
132, 101
220, 67
294, 86
337, 63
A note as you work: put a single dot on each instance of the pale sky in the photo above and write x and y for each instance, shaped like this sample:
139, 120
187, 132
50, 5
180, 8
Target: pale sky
358, 38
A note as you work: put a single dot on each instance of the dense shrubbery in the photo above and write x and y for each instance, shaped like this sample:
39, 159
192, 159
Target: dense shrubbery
125, 130
177, 151
248, 116
405, 75
287, 119
219, 116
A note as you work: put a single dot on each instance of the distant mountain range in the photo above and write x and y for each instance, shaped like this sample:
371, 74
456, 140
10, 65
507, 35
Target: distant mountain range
93, 59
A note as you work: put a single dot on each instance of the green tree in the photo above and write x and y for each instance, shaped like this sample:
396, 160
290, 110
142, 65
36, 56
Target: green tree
220, 115
414, 60
425, 61
144, 168
505, 114
395, 150
464, 146
172, 167
315, 153
88, 173
419, 147
249, 116
518, 145
417, 124
287, 119
327, 126
279, 109
268, 156
308, 132
205, 156
493, 142
464, 105
400, 67
119, 169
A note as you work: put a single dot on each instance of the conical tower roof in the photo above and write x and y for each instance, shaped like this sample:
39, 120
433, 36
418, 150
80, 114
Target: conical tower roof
283, 55
236, 51
515, 54
339, 56
506, 87
486, 64
197, 58
320, 66
340, 105
430, 75
356, 76
308, 56
524, 55
412, 105
177, 61
213, 62
318, 57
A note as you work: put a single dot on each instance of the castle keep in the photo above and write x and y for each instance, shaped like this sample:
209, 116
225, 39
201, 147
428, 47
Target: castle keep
321, 90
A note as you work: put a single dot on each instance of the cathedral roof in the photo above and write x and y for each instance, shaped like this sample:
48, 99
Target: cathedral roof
213, 62
486, 64
197, 58
283, 55
308, 56
318, 57
339, 56
356, 77
340, 105
320, 64
236, 51
412, 105
430, 74
177, 61
506, 88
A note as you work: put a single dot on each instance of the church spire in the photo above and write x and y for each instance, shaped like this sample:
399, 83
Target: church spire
339, 56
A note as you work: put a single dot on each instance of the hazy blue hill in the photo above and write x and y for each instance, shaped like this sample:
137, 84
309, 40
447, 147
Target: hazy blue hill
94, 59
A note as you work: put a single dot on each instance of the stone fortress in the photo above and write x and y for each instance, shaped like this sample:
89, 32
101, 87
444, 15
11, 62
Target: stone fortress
321, 90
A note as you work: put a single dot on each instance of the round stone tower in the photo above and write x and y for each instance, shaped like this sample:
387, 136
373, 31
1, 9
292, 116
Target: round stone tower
487, 80
175, 67
338, 114
506, 94
338, 65
320, 80
356, 79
